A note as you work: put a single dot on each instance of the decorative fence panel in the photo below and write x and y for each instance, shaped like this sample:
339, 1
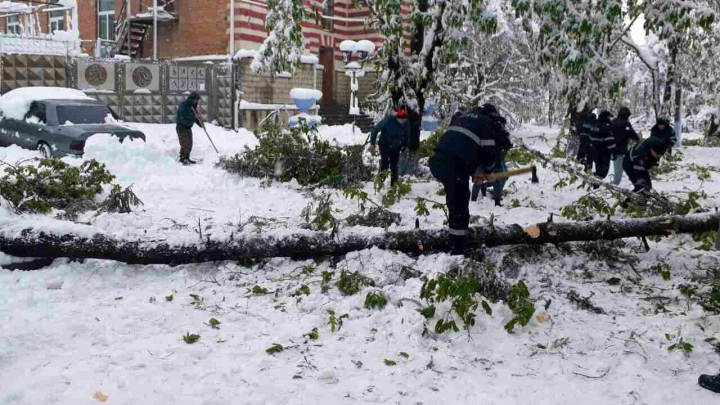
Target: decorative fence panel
147, 92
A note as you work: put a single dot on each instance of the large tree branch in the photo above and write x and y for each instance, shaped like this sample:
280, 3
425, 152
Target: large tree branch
32, 243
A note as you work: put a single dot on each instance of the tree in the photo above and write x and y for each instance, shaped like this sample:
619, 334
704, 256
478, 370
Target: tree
498, 68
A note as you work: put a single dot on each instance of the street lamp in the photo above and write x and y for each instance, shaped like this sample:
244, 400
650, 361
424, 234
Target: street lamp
354, 70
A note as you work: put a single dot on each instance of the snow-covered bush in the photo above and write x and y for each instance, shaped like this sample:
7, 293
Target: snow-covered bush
53, 184
301, 155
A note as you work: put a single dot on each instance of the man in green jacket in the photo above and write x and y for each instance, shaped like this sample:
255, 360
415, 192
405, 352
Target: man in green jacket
186, 118
394, 133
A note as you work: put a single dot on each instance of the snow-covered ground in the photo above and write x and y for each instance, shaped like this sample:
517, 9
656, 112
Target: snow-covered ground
75, 331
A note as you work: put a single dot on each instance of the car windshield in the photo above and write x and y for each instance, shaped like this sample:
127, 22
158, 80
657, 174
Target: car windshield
82, 114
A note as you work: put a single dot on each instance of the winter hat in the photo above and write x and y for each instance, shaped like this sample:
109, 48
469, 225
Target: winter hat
401, 113
194, 96
489, 109
624, 113
659, 145
605, 115
663, 121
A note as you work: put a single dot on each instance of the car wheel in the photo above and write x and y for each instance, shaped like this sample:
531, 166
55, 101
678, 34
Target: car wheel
44, 149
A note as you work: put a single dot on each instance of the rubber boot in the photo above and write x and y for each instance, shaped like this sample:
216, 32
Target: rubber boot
458, 245
710, 382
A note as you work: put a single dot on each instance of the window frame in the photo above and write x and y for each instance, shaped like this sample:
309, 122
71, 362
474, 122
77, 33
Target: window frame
13, 27
56, 18
327, 24
109, 16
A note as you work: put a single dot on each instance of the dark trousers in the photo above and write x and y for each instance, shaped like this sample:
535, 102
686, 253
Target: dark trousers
454, 176
639, 175
585, 152
389, 159
185, 137
601, 158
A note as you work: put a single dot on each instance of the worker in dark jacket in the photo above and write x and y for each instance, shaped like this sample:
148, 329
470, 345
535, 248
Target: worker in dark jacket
504, 144
186, 118
623, 132
409, 160
467, 147
394, 131
588, 127
664, 131
712, 131
602, 143
640, 159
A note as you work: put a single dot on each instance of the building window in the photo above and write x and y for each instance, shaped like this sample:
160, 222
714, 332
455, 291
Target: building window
57, 20
13, 25
328, 11
106, 19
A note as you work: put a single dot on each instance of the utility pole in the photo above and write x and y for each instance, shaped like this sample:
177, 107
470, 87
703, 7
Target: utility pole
155, 38
232, 28
128, 25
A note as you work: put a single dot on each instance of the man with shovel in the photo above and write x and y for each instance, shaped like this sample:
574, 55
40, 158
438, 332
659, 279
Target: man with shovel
186, 118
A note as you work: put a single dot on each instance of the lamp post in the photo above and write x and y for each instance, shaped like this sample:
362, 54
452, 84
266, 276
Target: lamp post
354, 70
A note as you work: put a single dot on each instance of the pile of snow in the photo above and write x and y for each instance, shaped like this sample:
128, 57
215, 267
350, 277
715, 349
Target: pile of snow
66, 36
245, 54
305, 94
16, 103
309, 59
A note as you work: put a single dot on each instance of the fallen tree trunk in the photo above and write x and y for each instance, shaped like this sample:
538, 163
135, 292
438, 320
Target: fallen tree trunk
31, 243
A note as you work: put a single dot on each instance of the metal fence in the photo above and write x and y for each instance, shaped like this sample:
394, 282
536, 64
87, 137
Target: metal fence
147, 92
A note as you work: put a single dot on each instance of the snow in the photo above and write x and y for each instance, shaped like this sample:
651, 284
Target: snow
202, 58
246, 105
74, 329
348, 46
9, 7
142, 91
309, 59
305, 94
65, 35
248, 53
245, 54
353, 65
16, 103
121, 57
365, 46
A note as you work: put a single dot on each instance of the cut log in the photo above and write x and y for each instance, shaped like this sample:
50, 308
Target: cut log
31, 243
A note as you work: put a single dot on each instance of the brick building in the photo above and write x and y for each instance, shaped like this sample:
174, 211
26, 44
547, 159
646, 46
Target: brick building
201, 28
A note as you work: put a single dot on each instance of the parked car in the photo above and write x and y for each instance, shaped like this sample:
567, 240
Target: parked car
57, 121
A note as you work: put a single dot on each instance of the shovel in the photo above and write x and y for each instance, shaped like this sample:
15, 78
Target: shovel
202, 124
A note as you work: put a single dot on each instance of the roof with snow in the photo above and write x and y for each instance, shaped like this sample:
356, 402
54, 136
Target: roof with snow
10, 7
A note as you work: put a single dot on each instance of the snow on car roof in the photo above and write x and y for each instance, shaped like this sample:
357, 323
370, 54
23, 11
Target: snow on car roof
15, 103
